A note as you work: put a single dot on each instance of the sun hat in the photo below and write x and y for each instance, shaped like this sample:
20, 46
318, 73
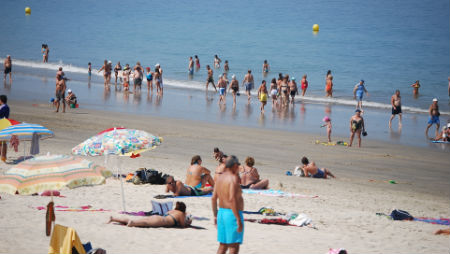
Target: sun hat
435, 99
293, 78
157, 65
233, 76
69, 91
326, 119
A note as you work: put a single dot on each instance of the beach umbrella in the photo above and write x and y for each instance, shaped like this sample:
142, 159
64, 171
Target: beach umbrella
51, 172
5, 122
118, 141
25, 131
124, 142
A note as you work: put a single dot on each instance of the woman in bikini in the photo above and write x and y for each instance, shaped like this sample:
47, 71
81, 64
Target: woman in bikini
234, 87
356, 127
284, 91
173, 219
274, 92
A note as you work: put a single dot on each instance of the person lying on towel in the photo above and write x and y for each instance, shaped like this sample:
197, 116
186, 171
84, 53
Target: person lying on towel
174, 219
180, 189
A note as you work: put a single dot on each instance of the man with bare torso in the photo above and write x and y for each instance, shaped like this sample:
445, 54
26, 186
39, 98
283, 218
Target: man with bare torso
311, 170
229, 217
249, 176
7, 68
248, 83
396, 102
210, 78
180, 189
60, 92
434, 116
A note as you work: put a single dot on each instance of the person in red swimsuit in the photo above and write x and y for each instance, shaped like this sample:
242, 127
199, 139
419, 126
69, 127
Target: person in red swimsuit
304, 85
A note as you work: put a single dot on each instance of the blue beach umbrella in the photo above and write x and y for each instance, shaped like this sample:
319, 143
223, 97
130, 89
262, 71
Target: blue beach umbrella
25, 131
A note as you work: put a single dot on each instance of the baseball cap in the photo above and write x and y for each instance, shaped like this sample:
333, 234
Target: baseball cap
435, 99
69, 91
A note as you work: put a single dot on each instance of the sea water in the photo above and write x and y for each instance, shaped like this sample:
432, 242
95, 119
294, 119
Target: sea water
389, 44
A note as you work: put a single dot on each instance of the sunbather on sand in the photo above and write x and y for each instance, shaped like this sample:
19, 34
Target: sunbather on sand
197, 176
250, 177
310, 169
180, 189
174, 218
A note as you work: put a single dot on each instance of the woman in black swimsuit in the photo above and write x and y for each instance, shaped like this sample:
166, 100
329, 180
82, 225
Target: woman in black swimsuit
174, 218
356, 126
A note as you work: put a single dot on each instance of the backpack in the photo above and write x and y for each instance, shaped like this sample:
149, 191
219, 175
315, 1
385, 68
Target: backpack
151, 176
401, 215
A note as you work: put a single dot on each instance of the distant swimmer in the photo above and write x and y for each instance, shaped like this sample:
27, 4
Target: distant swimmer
106, 68
89, 70
293, 89
226, 67
210, 78
265, 68
262, 95
138, 75
434, 116
217, 62
356, 127
149, 77
274, 92
45, 51
191, 66
248, 83
197, 63
117, 68
234, 87
329, 85
396, 102
7, 64
304, 85
222, 84
416, 87
358, 93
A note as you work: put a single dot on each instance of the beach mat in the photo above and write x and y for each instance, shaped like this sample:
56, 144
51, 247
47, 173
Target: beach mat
438, 221
277, 193
172, 196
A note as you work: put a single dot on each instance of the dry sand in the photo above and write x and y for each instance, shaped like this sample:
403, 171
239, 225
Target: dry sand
344, 213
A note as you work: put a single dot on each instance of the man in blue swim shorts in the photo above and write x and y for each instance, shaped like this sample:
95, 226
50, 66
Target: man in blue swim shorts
434, 117
248, 83
229, 218
310, 169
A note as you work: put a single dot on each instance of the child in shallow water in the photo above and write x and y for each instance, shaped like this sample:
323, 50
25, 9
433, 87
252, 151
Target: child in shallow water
327, 121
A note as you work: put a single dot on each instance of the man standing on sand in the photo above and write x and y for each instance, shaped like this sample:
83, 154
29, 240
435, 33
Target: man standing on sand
434, 116
396, 102
7, 64
229, 218
248, 83
210, 78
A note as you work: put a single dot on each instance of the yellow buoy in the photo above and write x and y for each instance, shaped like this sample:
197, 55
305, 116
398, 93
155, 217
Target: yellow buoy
315, 28
27, 10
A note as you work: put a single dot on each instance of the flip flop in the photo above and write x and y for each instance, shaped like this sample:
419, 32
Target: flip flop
49, 218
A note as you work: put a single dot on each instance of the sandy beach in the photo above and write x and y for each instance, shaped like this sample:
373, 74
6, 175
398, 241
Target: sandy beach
344, 213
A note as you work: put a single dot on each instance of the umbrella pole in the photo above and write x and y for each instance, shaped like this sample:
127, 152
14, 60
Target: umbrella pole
121, 186
24, 151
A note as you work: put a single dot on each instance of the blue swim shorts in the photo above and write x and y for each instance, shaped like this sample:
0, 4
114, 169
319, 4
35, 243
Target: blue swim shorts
434, 120
320, 174
221, 91
248, 86
227, 227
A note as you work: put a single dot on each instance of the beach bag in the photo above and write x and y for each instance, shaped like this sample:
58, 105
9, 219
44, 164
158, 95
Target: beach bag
401, 215
150, 176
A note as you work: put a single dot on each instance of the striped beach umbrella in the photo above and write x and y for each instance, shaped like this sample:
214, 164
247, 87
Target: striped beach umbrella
51, 172
25, 131
5, 122
118, 142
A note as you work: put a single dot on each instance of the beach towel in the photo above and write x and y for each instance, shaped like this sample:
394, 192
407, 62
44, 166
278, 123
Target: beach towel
277, 193
440, 221
161, 208
140, 213
63, 240
86, 208
34, 149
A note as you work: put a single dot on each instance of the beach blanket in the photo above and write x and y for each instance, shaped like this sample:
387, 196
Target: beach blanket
277, 193
172, 196
440, 221
86, 208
